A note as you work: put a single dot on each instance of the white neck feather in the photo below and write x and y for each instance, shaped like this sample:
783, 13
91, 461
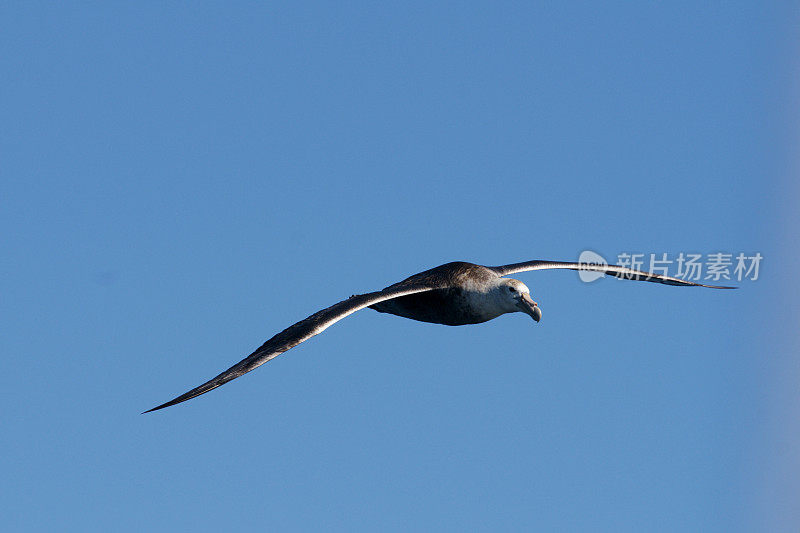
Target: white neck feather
490, 300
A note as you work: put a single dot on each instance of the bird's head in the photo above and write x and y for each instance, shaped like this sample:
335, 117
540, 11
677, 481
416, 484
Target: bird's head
516, 297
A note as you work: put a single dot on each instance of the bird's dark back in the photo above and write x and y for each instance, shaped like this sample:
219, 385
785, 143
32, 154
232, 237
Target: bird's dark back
455, 274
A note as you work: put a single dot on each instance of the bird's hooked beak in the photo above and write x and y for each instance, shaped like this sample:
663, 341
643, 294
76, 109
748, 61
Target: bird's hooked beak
527, 305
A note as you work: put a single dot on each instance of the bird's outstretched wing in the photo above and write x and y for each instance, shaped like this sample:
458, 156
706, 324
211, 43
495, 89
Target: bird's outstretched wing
297, 333
612, 270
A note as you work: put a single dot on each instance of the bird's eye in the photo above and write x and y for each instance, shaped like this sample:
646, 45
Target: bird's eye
512, 289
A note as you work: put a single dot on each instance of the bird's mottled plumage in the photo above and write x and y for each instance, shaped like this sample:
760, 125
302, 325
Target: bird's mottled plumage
450, 305
453, 294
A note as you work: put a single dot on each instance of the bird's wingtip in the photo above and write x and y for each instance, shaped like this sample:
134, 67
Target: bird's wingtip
163, 405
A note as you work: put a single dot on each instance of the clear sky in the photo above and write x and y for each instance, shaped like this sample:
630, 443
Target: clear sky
180, 181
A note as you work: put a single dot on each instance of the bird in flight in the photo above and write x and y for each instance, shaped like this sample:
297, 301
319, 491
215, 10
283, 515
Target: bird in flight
453, 294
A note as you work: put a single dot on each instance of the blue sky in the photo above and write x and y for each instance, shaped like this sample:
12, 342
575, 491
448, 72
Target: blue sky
181, 181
